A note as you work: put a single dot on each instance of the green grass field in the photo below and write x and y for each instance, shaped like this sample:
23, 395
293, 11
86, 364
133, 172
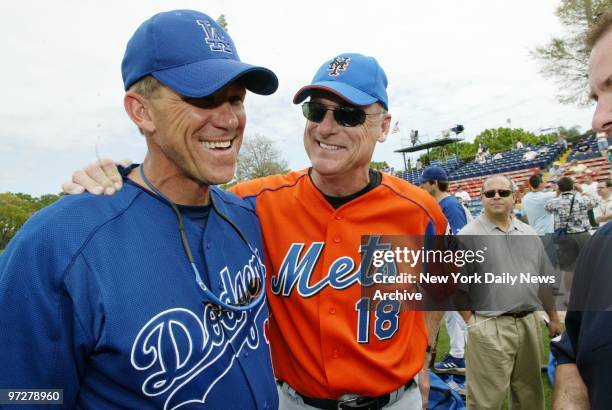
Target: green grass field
443, 348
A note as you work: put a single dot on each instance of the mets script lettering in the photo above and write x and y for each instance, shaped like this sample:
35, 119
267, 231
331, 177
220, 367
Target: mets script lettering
297, 268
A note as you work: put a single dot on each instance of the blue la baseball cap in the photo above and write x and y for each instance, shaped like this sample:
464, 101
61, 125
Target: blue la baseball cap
356, 78
190, 53
433, 174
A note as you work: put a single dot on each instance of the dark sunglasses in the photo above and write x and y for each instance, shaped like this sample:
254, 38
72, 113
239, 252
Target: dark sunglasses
345, 116
504, 193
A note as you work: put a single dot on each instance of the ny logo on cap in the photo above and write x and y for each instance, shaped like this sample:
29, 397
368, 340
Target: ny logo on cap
215, 40
336, 66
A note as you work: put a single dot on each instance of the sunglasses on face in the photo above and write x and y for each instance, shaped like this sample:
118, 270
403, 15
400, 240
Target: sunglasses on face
345, 116
503, 193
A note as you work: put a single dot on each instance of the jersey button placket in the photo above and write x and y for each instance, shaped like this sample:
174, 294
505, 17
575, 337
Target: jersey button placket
338, 217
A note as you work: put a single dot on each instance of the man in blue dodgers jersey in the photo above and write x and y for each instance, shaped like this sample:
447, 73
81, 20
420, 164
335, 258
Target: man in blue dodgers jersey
98, 295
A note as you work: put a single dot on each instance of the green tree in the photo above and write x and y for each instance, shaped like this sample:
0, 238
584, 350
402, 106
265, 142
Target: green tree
569, 133
379, 166
15, 209
565, 58
572, 134
504, 139
496, 140
222, 22
259, 157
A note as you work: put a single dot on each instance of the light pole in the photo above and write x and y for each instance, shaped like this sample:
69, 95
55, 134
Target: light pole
509, 121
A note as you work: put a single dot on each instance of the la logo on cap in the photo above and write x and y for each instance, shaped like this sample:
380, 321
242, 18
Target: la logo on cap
215, 40
336, 66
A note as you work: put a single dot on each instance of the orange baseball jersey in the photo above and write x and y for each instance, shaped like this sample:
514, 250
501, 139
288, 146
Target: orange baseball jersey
326, 339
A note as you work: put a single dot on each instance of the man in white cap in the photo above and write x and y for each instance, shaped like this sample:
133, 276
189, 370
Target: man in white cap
556, 171
462, 195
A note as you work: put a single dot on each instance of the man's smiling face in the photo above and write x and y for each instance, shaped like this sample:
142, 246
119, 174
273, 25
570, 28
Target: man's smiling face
200, 137
335, 150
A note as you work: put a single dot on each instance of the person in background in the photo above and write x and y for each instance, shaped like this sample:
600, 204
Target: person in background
462, 194
503, 330
418, 165
603, 211
533, 206
577, 168
588, 184
561, 140
556, 171
530, 155
570, 210
602, 143
583, 147
434, 180
583, 377
536, 216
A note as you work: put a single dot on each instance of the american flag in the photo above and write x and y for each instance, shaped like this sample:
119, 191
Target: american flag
395, 128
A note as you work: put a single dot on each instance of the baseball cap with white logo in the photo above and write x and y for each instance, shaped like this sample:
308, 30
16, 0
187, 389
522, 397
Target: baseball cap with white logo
190, 53
355, 78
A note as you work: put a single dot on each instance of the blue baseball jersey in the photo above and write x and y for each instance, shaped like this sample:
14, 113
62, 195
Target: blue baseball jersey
98, 298
454, 212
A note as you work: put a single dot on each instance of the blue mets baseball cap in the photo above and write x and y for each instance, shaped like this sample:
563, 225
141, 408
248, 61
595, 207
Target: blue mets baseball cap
355, 78
190, 53
433, 174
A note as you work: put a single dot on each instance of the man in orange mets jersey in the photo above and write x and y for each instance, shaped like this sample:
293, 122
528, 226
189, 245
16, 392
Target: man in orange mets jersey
331, 347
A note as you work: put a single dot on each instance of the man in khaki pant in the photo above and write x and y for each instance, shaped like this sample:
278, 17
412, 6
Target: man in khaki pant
503, 332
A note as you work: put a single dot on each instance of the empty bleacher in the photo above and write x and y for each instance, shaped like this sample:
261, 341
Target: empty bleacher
510, 161
450, 167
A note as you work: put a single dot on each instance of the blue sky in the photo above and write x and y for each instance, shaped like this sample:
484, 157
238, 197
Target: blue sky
448, 62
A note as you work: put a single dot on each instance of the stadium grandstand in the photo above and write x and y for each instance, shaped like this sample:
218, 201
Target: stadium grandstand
519, 165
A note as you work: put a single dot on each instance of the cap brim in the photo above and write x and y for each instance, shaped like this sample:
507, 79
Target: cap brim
204, 78
344, 91
422, 180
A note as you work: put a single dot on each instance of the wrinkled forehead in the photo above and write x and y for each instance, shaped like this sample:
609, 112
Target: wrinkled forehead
497, 183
